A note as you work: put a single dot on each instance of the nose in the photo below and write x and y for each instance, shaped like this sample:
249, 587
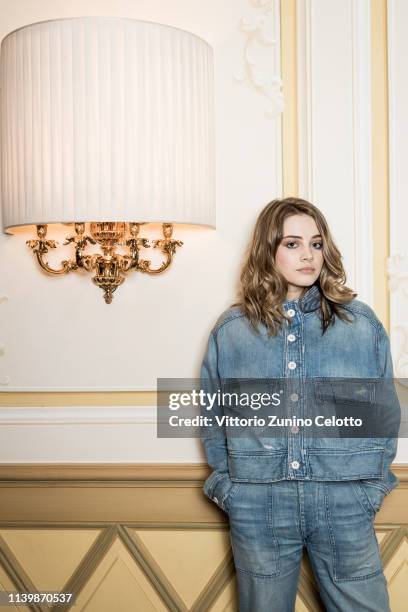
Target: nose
307, 254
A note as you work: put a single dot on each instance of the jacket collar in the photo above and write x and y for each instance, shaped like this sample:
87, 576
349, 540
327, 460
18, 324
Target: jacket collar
309, 302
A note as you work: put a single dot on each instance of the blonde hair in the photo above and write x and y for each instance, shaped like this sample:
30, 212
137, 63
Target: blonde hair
263, 288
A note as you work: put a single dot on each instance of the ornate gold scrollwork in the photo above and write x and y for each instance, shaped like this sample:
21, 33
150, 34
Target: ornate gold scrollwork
41, 246
110, 267
168, 247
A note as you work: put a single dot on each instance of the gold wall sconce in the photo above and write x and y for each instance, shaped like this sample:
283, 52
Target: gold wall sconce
111, 267
106, 121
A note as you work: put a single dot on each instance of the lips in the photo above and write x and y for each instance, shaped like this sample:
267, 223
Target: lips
306, 270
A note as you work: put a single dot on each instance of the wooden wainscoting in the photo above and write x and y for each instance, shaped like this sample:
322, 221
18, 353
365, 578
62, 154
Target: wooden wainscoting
144, 537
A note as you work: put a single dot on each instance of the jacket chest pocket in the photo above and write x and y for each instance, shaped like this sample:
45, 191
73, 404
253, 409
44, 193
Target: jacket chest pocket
250, 404
348, 414
346, 392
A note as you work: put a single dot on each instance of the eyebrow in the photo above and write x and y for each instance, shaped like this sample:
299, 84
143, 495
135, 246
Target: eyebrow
301, 238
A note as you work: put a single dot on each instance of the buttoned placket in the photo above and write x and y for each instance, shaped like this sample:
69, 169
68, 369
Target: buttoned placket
294, 341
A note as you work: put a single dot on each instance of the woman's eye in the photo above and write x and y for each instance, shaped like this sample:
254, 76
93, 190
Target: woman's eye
319, 245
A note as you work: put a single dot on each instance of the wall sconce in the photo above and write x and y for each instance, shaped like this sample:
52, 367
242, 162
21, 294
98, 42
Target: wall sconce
107, 121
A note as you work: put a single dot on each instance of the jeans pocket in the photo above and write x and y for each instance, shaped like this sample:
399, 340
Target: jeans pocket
355, 550
252, 531
228, 498
220, 489
372, 494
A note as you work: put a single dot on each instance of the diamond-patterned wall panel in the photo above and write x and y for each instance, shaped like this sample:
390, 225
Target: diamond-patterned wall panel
49, 556
152, 570
175, 558
188, 558
228, 599
118, 584
396, 572
7, 585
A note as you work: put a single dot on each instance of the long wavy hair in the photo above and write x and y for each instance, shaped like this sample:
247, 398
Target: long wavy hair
263, 288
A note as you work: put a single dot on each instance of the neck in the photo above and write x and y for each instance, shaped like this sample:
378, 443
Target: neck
293, 293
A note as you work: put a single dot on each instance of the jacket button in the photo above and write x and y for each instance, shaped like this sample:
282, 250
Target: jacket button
291, 337
294, 429
294, 397
291, 312
291, 365
295, 465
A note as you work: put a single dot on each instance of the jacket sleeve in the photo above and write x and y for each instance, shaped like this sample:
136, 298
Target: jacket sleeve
392, 417
213, 436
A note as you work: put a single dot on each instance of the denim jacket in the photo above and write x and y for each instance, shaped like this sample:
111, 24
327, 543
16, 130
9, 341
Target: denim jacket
299, 352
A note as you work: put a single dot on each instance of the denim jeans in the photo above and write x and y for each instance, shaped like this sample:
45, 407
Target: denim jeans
270, 523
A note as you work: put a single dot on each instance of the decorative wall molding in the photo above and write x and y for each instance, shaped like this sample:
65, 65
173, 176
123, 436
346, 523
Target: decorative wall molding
397, 263
401, 366
80, 389
316, 113
123, 545
397, 14
162, 472
261, 54
97, 398
5, 379
304, 90
397, 269
362, 148
128, 515
79, 415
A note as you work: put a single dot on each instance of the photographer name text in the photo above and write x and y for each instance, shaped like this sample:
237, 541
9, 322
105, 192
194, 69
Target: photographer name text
255, 421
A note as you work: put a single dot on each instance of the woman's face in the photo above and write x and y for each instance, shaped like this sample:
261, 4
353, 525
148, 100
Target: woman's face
300, 247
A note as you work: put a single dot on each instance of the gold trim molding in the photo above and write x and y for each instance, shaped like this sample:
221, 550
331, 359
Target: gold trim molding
108, 472
165, 494
35, 399
380, 158
290, 145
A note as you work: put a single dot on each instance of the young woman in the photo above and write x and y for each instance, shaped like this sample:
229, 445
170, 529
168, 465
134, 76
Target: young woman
296, 322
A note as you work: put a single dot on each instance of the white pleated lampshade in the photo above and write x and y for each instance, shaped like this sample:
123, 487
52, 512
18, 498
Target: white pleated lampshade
106, 119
